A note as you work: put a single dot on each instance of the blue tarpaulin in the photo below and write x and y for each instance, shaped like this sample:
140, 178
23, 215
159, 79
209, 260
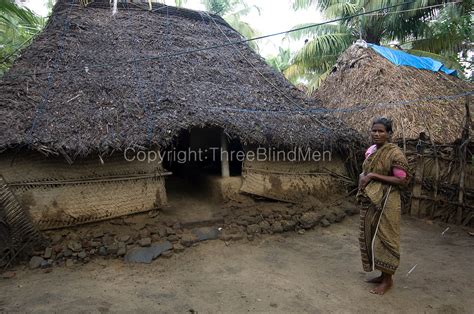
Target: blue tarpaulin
402, 58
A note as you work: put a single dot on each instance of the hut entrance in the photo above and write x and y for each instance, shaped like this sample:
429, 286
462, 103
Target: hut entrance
201, 174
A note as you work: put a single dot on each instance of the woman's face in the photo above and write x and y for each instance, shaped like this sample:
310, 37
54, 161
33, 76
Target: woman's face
379, 134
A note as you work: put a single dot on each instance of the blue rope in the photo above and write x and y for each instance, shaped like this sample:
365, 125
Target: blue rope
151, 121
138, 77
41, 108
188, 51
266, 128
343, 110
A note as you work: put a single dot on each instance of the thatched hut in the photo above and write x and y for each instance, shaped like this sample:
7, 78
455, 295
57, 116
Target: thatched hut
363, 85
430, 119
94, 90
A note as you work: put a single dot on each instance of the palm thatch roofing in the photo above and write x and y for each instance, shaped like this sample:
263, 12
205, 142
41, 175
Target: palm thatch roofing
364, 85
77, 90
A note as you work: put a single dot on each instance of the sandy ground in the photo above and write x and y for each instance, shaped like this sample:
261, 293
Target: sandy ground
318, 271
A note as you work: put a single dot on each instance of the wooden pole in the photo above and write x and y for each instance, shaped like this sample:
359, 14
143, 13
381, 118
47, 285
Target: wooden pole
415, 201
225, 171
463, 160
403, 136
443, 201
461, 195
436, 181
434, 205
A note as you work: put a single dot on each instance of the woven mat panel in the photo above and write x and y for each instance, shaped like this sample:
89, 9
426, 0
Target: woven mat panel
291, 182
56, 206
36, 167
58, 194
17, 230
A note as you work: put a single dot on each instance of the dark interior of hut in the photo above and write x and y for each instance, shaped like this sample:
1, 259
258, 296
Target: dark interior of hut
195, 162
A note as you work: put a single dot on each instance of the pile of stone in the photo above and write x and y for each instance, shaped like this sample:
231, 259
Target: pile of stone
69, 248
253, 221
144, 242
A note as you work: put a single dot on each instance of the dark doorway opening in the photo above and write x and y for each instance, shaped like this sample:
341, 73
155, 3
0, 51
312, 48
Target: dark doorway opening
196, 165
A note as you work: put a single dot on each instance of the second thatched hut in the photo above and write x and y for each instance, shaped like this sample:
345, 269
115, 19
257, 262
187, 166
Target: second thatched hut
431, 115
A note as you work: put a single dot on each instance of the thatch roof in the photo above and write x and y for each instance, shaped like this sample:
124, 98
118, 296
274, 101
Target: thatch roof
364, 85
83, 106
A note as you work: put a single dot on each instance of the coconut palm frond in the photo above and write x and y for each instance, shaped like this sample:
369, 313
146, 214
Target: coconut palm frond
17, 26
317, 30
341, 9
450, 32
243, 28
315, 82
216, 6
180, 3
323, 63
440, 43
24, 16
6, 22
323, 5
281, 61
246, 10
328, 44
319, 64
294, 71
303, 4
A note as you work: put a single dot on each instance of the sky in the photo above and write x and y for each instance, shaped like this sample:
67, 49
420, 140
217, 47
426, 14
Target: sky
275, 16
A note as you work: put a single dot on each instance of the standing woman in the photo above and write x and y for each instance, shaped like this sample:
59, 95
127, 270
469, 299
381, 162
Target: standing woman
384, 170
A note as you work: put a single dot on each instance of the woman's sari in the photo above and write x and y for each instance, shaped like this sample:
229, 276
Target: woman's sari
379, 237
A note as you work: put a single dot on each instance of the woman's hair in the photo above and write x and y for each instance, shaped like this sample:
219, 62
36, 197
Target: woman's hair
387, 123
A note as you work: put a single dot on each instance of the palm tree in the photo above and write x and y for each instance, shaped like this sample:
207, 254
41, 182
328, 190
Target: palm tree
447, 38
232, 11
18, 25
423, 27
281, 61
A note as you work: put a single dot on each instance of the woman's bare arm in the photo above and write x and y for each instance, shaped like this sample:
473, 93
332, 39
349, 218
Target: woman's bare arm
387, 179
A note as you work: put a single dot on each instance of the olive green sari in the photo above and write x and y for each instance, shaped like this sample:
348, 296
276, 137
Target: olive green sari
380, 212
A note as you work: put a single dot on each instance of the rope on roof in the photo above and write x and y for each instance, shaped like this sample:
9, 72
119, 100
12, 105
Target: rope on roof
234, 47
39, 109
151, 122
362, 107
189, 51
263, 76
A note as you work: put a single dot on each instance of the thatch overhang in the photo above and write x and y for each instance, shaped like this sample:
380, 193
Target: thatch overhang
75, 89
364, 85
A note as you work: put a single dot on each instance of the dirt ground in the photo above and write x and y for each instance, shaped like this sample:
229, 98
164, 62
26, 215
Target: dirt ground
318, 271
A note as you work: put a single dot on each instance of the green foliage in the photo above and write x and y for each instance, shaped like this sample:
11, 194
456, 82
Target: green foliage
18, 25
232, 11
451, 31
179, 3
315, 31
320, 53
281, 61
220, 7
302, 4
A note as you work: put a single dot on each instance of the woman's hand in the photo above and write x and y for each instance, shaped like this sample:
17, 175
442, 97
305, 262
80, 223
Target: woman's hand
364, 179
